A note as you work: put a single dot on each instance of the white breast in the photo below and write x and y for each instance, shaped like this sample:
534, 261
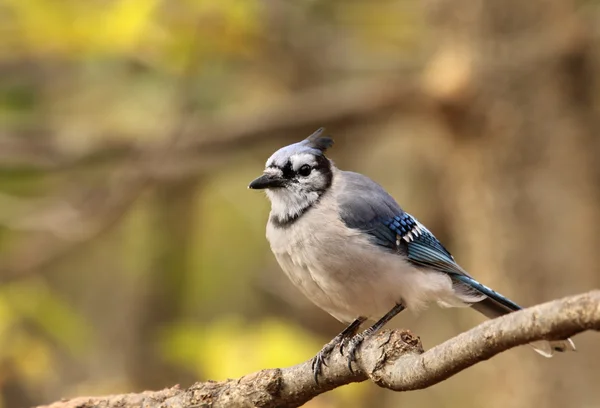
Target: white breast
343, 273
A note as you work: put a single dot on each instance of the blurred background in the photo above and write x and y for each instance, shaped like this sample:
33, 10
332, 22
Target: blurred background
132, 255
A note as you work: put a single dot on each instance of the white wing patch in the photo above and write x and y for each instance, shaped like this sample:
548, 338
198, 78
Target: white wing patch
414, 233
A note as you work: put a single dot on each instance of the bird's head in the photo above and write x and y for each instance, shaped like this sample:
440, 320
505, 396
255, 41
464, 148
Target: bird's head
296, 176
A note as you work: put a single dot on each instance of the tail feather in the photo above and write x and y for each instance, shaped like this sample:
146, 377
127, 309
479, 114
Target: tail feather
491, 309
547, 348
495, 305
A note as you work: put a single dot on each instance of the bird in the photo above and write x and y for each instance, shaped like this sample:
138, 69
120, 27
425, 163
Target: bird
350, 248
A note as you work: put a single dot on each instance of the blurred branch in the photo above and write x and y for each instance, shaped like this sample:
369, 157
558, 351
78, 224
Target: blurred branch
101, 208
201, 138
185, 155
392, 359
87, 223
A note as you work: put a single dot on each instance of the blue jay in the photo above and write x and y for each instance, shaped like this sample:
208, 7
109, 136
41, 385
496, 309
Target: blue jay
348, 246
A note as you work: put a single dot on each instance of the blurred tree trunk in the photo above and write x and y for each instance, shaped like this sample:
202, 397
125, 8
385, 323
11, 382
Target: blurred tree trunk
173, 241
512, 82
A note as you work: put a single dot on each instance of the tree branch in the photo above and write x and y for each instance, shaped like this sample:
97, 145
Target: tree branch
393, 359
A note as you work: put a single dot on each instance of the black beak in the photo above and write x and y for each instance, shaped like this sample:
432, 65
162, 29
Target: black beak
266, 181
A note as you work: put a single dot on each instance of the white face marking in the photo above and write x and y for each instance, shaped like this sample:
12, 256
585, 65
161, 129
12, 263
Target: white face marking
274, 171
300, 159
288, 204
301, 191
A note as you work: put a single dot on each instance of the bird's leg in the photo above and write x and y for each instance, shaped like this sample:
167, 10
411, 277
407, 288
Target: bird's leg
319, 360
356, 341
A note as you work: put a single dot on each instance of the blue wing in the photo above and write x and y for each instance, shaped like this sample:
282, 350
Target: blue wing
366, 206
422, 247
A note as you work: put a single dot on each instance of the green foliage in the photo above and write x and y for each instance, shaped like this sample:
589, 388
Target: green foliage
34, 302
231, 347
33, 357
80, 29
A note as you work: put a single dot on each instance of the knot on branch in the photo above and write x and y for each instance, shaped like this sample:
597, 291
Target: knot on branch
385, 349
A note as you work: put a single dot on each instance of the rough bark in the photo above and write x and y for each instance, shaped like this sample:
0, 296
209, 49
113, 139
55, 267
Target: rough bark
393, 359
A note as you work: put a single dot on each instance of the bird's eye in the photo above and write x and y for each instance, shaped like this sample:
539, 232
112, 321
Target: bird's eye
304, 170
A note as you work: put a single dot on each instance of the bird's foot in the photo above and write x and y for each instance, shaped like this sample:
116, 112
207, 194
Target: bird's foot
344, 344
351, 347
320, 359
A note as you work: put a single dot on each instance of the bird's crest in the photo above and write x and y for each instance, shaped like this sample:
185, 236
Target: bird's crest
319, 142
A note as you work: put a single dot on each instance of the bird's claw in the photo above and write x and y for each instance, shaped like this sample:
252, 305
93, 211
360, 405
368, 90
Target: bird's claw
344, 344
352, 345
320, 359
